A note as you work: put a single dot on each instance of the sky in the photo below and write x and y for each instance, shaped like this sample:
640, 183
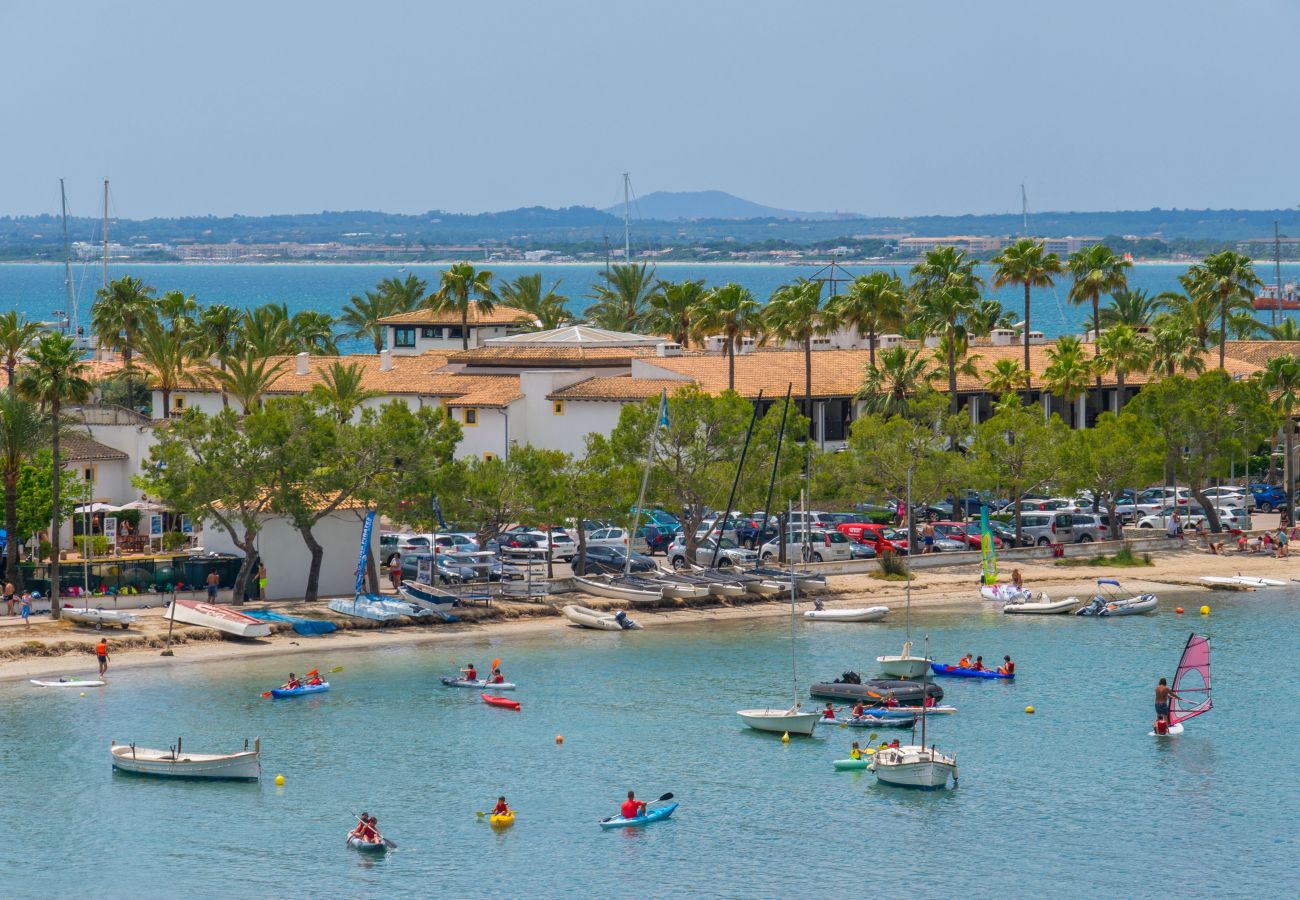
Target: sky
881, 108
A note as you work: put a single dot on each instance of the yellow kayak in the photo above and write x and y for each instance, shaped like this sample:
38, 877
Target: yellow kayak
504, 821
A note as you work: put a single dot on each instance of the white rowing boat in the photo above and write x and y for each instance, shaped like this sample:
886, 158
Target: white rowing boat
781, 721
604, 586
601, 621
99, 617
860, 614
1251, 581
222, 618
1043, 606
174, 762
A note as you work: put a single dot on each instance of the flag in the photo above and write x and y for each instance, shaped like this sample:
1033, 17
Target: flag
663, 408
364, 554
437, 513
988, 556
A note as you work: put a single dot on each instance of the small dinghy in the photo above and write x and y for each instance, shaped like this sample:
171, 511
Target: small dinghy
851, 765
478, 684
1108, 603
907, 693
429, 598
1043, 605
1005, 593
501, 702
607, 586
221, 618
357, 843
869, 721
859, 614
99, 617
601, 621
300, 690
175, 763
781, 721
70, 681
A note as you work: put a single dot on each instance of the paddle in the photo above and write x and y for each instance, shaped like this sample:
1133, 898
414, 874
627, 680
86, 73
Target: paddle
383, 840
481, 814
662, 799
332, 671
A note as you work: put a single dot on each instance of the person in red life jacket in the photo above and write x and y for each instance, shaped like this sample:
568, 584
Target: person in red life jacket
1163, 694
979, 664
470, 673
314, 679
1007, 667
497, 677
829, 711
890, 702
859, 710
293, 682
632, 807
894, 743
929, 702
364, 831
501, 809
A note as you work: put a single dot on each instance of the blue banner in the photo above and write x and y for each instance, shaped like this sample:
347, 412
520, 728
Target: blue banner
437, 512
364, 553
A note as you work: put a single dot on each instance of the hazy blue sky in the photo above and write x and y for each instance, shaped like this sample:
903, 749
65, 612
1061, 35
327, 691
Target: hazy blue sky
879, 107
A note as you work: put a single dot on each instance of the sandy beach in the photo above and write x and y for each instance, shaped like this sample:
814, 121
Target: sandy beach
52, 648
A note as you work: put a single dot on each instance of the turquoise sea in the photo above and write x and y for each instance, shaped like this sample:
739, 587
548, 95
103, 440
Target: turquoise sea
38, 290
1076, 800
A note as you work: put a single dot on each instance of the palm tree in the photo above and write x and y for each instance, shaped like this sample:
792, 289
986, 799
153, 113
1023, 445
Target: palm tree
622, 300
672, 309
169, 352
1194, 308
888, 388
1026, 263
943, 311
1286, 330
55, 374
23, 431
944, 267
731, 312
1122, 349
1175, 347
402, 295
361, 315
312, 332
265, 330
1005, 376
1281, 379
247, 376
987, 315
543, 310
341, 390
1231, 278
873, 304
1130, 307
16, 335
794, 314
214, 334
177, 308
1068, 372
1096, 270
460, 285
116, 317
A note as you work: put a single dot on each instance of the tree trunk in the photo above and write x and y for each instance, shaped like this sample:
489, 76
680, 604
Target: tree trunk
464, 326
12, 572
246, 570
871, 347
1211, 511
372, 572
1271, 475
1015, 512
952, 375
731, 364
580, 561
1025, 340
167, 403
1223, 323
317, 556
1289, 463
55, 586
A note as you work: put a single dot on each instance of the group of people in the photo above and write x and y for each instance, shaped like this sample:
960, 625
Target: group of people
367, 829
1275, 542
294, 682
977, 665
23, 602
470, 673
856, 752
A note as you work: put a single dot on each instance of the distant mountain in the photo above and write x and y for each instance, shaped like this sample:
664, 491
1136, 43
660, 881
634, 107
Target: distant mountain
676, 206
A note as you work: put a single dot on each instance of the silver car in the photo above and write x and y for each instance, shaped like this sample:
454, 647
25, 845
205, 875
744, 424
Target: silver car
1089, 527
730, 554
1048, 527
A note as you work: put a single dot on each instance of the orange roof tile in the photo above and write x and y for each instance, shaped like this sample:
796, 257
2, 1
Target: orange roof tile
550, 356
617, 387
500, 315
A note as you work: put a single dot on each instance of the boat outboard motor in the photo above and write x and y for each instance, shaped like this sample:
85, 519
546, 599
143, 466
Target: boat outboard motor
849, 678
621, 618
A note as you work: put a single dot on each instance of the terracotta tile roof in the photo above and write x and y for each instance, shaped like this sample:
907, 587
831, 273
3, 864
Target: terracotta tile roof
408, 375
1258, 353
500, 315
550, 356
618, 387
75, 447
487, 390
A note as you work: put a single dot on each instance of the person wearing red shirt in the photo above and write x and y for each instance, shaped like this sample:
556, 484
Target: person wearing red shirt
632, 807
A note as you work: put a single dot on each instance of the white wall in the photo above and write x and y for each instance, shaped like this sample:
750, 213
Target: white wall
113, 478
288, 560
477, 335
489, 435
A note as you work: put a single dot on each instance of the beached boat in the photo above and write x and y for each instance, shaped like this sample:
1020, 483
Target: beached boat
1250, 581
176, 763
602, 621
858, 614
1041, 605
781, 721
429, 598
605, 586
99, 617
222, 618
682, 585
376, 608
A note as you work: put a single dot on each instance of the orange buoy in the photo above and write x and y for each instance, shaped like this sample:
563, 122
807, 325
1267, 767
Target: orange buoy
559, 739
1179, 610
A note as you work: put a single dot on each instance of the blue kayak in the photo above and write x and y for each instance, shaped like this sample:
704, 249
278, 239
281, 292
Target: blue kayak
955, 672
651, 815
904, 721
299, 691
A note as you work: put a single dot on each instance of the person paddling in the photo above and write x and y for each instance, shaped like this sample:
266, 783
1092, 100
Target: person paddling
632, 807
964, 662
293, 683
470, 673
829, 711
1007, 667
979, 664
497, 677
502, 808
855, 752
859, 710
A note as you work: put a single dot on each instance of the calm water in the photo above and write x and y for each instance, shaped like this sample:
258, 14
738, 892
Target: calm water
38, 289
1076, 799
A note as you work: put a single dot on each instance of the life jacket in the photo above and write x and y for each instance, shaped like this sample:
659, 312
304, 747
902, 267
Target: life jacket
101, 649
855, 753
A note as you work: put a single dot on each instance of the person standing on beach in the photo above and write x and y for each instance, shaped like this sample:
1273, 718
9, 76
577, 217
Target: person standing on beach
9, 598
101, 651
213, 581
27, 609
395, 570
261, 582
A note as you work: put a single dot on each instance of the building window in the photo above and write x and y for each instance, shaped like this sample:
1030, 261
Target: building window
558, 407
455, 333
404, 337
178, 402
427, 332
88, 474
471, 415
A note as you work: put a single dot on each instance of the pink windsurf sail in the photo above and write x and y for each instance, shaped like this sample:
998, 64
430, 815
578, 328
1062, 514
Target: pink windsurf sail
1191, 685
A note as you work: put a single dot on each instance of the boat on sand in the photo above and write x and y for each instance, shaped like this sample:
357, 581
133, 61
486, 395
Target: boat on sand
221, 618
99, 617
601, 621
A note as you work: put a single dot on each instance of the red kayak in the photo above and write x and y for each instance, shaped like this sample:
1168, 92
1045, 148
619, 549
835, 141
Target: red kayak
503, 702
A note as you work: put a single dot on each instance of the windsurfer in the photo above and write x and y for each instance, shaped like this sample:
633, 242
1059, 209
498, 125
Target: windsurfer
1163, 693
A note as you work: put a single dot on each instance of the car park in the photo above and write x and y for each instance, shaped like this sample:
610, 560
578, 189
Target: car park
729, 553
1050, 527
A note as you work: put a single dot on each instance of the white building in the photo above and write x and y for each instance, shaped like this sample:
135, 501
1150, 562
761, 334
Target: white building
422, 330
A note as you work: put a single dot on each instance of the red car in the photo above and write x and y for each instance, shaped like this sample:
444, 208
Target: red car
879, 537
969, 532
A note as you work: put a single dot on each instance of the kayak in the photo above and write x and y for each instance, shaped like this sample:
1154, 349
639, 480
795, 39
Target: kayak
651, 815
366, 846
503, 702
906, 721
452, 681
954, 671
846, 765
69, 681
300, 690
502, 821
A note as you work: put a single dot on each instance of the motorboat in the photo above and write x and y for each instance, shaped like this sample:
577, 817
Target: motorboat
857, 614
221, 618
1005, 593
1109, 603
914, 766
905, 664
175, 763
605, 586
602, 621
377, 608
99, 617
781, 721
1042, 605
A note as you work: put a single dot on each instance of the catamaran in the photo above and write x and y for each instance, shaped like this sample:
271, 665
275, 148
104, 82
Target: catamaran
1190, 692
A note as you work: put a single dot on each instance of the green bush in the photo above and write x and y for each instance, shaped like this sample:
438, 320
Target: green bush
173, 540
98, 545
892, 564
44, 551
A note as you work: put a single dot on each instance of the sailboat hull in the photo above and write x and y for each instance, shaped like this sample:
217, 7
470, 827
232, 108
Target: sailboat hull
780, 721
904, 666
914, 767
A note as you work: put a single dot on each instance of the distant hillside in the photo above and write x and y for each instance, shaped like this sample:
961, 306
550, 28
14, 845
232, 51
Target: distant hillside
676, 206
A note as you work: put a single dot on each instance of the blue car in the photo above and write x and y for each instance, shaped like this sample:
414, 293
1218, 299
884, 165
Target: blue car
1268, 497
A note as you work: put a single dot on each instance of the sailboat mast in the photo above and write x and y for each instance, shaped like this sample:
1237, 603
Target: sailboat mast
1024, 208
69, 300
627, 221
735, 482
794, 665
1277, 269
660, 415
776, 461
104, 228
909, 568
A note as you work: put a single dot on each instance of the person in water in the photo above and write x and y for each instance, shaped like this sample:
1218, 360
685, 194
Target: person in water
964, 662
829, 711
1163, 693
855, 752
632, 807
470, 673
101, 653
501, 809
1007, 667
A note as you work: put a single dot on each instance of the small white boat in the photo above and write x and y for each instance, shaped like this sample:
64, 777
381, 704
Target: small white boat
1108, 603
376, 608
1005, 593
905, 665
602, 621
727, 589
680, 590
603, 586
1250, 581
99, 617
245, 765
914, 766
222, 618
782, 721
69, 681
1042, 606
860, 614
429, 598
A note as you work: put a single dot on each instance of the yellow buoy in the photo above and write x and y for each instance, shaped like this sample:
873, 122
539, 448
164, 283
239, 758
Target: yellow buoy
785, 738
1205, 610
83, 693
279, 781
1029, 709
559, 739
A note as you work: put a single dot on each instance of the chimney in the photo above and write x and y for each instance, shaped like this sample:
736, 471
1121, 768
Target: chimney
1002, 337
385, 360
302, 363
668, 348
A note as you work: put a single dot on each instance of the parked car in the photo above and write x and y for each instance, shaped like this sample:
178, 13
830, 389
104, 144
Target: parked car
881, 514
658, 537
610, 560
453, 540
966, 533
1153, 500
1000, 536
817, 545
607, 537
1189, 516
402, 542
1268, 497
449, 569
730, 554
861, 551
1227, 495
1089, 527
563, 547
1008, 534
814, 519
755, 531
878, 537
716, 526
1048, 527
